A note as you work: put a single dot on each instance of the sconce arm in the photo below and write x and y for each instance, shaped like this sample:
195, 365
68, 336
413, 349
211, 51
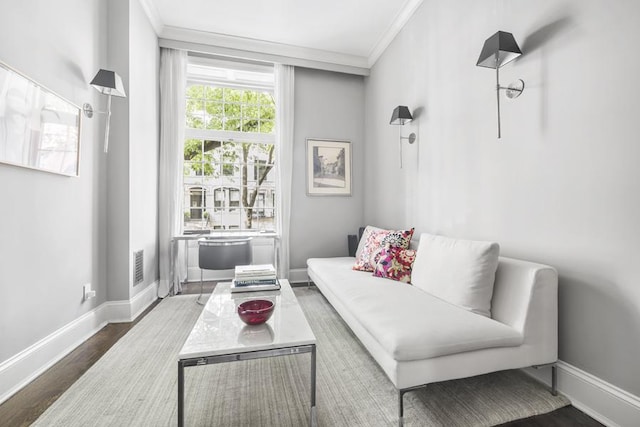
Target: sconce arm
88, 111
411, 138
514, 90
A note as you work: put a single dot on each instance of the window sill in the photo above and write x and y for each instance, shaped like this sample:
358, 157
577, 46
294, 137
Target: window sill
229, 233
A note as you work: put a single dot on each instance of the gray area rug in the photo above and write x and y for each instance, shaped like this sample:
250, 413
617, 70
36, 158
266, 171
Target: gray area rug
135, 384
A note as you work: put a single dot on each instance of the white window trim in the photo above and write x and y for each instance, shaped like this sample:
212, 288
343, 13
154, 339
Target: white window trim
234, 136
230, 135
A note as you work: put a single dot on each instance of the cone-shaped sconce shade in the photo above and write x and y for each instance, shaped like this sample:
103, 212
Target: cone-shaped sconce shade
401, 115
498, 50
109, 83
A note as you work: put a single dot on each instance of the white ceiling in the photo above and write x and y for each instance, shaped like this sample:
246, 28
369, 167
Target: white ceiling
355, 28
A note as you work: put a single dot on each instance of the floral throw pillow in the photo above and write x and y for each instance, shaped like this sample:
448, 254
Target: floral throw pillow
395, 263
374, 240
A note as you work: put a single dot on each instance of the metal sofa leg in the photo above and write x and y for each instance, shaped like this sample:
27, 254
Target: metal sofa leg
400, 408
401, 393
554, 376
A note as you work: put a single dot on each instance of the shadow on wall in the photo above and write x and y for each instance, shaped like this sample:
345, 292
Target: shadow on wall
602, 327
545, 35
534, 48
418, 113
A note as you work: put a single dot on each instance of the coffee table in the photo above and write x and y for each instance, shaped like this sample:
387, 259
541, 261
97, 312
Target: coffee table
220, 336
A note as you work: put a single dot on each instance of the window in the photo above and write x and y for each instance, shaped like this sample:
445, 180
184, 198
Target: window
197, 202
229, 151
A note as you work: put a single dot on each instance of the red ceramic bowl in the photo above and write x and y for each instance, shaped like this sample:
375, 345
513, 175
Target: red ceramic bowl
256, 311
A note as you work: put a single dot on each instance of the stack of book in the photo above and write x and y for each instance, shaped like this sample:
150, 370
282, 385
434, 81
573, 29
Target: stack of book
255, 278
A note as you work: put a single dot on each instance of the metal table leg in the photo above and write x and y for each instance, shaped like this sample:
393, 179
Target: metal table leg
180, 394
312, 414
236, 357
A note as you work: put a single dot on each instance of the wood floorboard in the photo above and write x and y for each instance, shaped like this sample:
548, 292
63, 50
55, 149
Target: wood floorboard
28, 404
564, 417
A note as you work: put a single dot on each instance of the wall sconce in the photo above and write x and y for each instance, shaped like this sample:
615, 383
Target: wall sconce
110, 84
498, 50
400, 116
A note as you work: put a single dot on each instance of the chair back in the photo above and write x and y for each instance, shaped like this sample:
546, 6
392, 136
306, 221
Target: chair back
223, 253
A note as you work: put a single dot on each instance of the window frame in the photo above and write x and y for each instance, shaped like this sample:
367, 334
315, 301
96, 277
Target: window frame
222, 181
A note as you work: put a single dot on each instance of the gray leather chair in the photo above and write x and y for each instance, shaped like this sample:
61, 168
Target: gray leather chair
222, 253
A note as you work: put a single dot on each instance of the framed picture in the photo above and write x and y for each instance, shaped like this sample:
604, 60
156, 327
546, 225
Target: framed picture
38, 129
328, 167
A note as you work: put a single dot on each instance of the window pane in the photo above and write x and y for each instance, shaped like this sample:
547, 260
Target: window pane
228, 169
192, 148
215, 219
212, 115
213, 93
233, 95
232, 124
266, 126
251, 112
268, 111
194, 121
265, 98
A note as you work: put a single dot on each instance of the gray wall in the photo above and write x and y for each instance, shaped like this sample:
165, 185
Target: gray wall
560, 187
52, 226
118, 172
330, 106
144, 136
133, 150
59, 233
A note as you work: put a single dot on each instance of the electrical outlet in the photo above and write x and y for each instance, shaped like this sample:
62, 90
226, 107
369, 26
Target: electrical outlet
87, 293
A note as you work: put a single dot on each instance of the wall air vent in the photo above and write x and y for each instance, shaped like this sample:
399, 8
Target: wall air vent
138, 267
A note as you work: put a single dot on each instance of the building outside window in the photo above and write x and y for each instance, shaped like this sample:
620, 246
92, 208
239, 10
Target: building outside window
229, 154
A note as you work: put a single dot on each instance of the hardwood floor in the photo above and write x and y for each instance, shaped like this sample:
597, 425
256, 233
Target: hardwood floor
563, 417
28, 404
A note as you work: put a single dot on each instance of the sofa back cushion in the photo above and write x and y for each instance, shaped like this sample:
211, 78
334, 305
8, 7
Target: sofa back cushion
461, 272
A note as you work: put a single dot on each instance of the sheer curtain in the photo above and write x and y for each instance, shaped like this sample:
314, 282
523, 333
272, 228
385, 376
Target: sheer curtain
173, 75
284, 159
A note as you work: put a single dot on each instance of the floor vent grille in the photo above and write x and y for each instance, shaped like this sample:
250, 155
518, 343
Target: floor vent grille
138, 272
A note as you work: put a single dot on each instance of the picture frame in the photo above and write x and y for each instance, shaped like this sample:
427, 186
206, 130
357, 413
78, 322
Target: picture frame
38, 128
328, 167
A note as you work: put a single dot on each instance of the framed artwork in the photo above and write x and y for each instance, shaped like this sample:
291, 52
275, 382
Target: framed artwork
38, 129
328, 167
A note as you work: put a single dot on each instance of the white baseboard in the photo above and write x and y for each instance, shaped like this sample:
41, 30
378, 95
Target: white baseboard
298, 275
24, 367
597, 398
127, 311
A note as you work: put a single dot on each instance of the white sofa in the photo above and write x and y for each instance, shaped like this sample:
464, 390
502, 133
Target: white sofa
418, 338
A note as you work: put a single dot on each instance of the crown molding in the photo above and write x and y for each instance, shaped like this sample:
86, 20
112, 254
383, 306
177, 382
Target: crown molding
154, 16
233, 46
261, 50
398, 23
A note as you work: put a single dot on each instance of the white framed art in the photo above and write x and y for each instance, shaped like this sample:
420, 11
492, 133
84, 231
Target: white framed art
328, 167
38, 128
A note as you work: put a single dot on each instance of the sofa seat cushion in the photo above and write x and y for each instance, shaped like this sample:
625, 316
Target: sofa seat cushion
409, 323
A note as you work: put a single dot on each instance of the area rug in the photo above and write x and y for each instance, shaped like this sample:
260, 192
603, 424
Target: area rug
135, 383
